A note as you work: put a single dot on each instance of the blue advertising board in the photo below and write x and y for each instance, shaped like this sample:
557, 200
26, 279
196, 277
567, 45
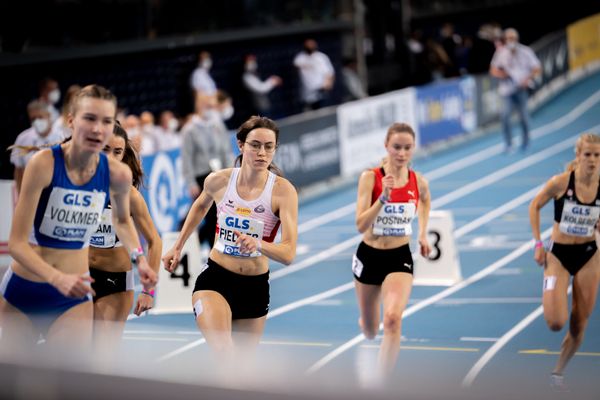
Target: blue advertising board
445, 109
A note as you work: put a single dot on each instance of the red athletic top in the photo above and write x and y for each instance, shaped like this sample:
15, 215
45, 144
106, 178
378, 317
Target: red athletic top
409, 193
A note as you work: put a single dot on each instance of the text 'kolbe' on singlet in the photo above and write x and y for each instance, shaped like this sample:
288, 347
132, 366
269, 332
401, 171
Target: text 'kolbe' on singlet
250, 217
395, 217
67, 214
574, 217
105, 236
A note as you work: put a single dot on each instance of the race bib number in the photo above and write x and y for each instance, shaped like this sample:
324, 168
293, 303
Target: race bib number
226, 237
394, 219
72, 215
578, 220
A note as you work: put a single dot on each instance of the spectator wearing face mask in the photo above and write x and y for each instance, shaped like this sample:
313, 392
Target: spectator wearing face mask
167, 137
50, 95
316, 75
205, 148
148, 132
224, 106
258, 89
38, 135
201, 81
516, 66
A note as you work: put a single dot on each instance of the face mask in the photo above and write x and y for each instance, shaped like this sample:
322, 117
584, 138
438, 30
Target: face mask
511, 45
40, 125
209, 114
251, 66
54, 96
227, 113
309, 50
173, 124
206, 63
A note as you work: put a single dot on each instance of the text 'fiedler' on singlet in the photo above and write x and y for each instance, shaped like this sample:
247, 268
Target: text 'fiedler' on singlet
395, 217
67, 214
574, 217
105, 236
250, 217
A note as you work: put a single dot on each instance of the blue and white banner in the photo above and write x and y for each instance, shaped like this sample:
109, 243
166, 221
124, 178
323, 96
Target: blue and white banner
363, 124
446, 109
165, 190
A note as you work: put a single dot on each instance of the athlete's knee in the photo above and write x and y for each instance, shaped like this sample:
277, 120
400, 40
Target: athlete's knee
392, 321
555, 323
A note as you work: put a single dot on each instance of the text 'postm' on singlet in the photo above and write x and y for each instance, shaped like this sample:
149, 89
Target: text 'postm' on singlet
574, 217
395, 217
251, 217
67, 214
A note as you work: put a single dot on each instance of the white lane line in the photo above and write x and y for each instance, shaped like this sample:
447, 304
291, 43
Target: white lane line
312, 299
327, 217
467, 161
527, 246
155, 339
332, 292
490, 300
442, 201
506, 171
312, 260
504, 208
495, 348
276, 312
158, 332
180, 350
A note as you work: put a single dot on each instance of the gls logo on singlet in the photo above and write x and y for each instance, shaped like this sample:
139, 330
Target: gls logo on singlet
72, 214
581, 211
76, 199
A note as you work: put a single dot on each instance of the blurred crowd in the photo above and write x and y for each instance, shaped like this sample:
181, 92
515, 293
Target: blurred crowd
432, 55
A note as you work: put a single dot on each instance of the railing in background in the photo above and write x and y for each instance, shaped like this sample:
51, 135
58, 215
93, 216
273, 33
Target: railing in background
342, 141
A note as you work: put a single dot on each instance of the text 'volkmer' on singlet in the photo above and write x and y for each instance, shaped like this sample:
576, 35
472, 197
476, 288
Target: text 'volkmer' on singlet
68, 214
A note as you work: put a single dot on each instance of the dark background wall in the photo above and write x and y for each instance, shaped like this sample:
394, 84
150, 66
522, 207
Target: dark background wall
145, 50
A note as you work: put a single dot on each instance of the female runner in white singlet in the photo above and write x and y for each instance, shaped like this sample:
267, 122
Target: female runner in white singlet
232, 292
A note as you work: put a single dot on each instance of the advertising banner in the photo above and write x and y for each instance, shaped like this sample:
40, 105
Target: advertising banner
446, 109
584, 41
363, 125
165, 190
308, 149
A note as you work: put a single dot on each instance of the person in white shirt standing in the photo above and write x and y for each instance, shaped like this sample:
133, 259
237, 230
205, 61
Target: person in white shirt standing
316, 75
257, 88
201, 81
516, 65
38, 135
